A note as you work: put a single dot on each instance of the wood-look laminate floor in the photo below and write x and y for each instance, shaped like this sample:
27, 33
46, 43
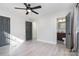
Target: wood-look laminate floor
35, 48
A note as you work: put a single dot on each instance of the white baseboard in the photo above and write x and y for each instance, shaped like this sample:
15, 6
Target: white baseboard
50, 42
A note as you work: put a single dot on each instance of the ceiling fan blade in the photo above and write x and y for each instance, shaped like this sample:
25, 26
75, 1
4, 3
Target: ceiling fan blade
27, 13
37, 7
20, 8
26, 5
35, 12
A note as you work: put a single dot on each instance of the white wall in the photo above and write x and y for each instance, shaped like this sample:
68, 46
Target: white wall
34, 30
4, 13
45, 31
47, 27
18, 27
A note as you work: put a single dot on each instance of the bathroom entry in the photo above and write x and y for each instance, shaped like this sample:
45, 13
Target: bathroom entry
61, 30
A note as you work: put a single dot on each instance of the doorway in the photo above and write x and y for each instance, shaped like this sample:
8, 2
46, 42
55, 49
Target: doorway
4, 30
28, 30
65, 34
61, 30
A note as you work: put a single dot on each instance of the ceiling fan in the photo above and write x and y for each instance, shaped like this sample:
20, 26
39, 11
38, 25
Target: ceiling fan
29, 9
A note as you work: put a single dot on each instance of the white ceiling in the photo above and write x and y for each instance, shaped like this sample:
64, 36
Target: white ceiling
47, 8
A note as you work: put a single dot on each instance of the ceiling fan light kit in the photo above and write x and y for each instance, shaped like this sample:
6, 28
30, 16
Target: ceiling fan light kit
28, 10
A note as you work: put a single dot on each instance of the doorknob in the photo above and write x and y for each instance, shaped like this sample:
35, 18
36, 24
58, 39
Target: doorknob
69, 33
